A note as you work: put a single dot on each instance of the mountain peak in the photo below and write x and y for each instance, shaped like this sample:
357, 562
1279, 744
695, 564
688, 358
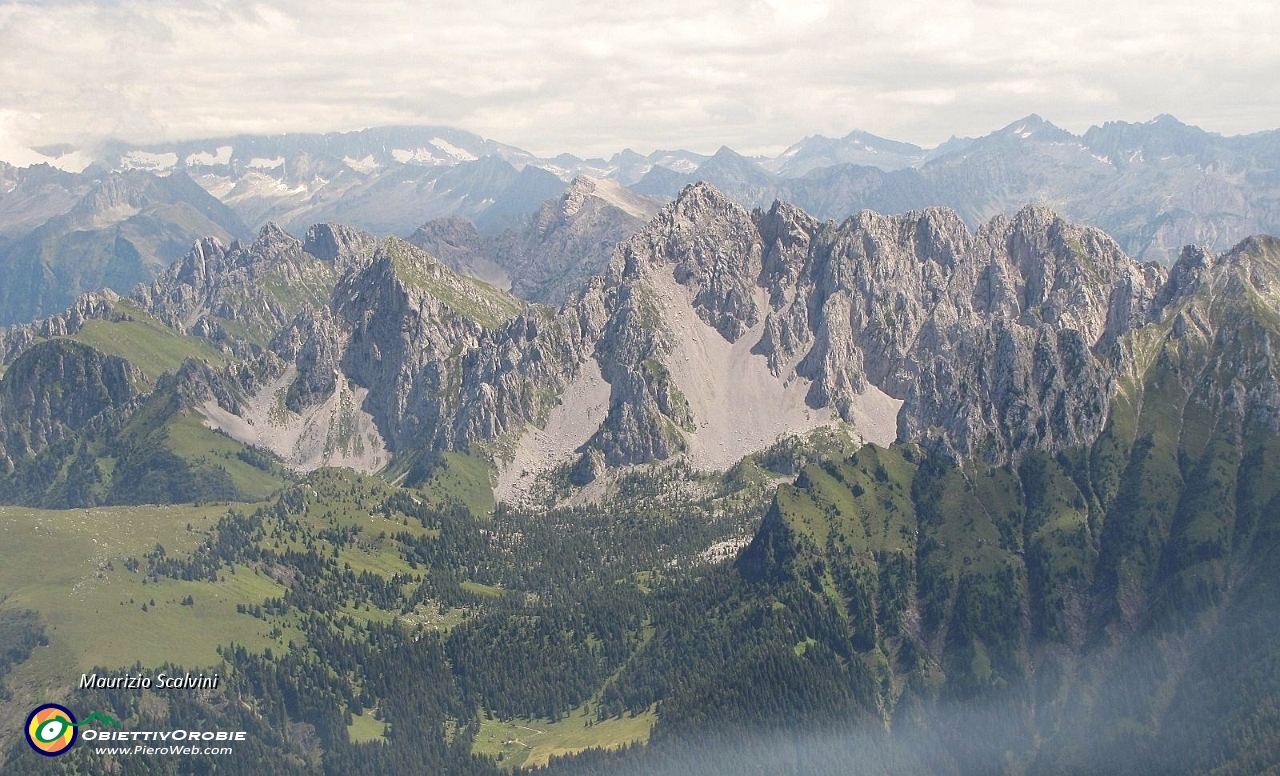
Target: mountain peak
580, 188
1036, 213
626, 156
1259, 255
608, 191
1030, 121
340, 245
272, 239
700, 195
1033, 126
417, 270
582, 183
872, 141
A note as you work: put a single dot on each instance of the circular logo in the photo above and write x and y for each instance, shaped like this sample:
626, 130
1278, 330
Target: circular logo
51, 729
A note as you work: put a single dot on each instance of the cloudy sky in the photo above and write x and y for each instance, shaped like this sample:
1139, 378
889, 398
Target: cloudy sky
592, 78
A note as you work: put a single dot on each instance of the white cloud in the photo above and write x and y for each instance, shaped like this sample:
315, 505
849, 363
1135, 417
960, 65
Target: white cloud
798, 12
15, 128
552, 76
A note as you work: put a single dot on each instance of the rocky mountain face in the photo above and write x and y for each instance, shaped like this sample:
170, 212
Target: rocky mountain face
457, 243
55, 389
92, 306
568, 240
713, 332
361, 357
29, 196
994, 342
122, 231
249, 292
990, 344
237, 300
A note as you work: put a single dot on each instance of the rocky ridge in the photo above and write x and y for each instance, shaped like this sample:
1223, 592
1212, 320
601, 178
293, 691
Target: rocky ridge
713, 331
993, 343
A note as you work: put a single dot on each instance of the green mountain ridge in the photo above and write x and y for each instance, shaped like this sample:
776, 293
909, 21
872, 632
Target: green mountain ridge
1120, 601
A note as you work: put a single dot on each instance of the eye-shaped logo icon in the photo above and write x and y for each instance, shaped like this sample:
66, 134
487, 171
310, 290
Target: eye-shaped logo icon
51, 729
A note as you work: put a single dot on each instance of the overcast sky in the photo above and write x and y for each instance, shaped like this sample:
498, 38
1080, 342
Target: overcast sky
592, 78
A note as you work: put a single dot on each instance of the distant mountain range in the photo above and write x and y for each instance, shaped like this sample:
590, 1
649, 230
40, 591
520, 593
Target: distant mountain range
1153, 186
62, 234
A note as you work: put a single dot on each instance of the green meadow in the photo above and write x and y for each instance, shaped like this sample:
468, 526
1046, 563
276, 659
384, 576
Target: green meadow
146, 343
70, 567
523, 743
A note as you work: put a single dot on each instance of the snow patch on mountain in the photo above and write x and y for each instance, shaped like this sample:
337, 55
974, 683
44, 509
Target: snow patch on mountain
222, 155
677, 162
143, 160
71, 160
366, 165
441, 151
460, 154
404, 156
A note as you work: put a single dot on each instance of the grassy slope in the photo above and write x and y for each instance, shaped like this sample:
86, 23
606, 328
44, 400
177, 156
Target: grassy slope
341, 499
145, 342
464, 479
364, 728
70, 567
527, 743
156, 349
188, 437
